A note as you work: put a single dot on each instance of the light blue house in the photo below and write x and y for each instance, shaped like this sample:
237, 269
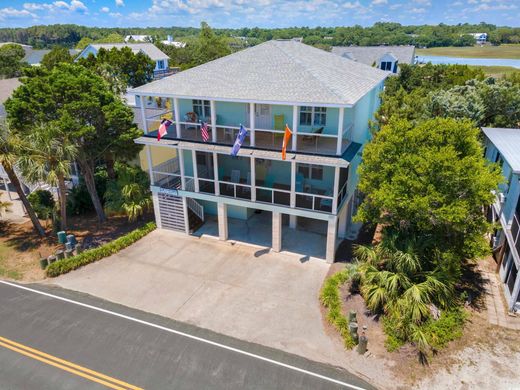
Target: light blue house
302, 204
503, 147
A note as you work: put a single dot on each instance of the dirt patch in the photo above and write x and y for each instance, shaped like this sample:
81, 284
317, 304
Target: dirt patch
21, 248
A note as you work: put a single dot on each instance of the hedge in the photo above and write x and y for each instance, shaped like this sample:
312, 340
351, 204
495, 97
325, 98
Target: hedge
89, 256
330, 298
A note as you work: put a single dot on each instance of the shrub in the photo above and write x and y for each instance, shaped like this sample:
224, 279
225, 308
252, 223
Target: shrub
330, 298
92, 255
42, 202
78, 199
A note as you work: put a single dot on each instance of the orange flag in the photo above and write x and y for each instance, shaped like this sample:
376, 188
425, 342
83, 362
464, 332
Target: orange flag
286, 138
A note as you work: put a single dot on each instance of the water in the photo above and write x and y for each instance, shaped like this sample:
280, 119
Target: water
470, 61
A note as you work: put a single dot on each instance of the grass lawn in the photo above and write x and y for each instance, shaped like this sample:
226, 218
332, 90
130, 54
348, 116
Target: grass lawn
497, 71
486, 51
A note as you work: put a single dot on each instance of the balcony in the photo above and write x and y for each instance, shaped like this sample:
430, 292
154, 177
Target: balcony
265, 181
267, 134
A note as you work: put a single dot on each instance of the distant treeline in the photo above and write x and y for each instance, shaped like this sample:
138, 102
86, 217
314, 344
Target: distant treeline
378, 34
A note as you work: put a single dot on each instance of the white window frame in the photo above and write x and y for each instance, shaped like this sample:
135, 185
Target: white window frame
315, 113
204, 106
390, 67
160, 64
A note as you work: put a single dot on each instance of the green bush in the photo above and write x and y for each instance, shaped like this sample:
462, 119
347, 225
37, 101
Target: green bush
78, 198
92, 255
42, 202
330, 298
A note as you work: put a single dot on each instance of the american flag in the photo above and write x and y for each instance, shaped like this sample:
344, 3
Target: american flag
204, 131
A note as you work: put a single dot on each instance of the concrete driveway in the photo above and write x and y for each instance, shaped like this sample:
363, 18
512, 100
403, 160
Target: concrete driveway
237, 290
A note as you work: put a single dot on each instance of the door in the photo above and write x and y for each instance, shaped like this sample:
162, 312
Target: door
263, 118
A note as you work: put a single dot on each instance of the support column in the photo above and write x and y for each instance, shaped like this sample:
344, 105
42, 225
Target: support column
293, 221
195, 170
213, 121
294, 128
252, 123
335, 191
150, 163
277, 232
177, 117
156, 209
340, 130
331, 239
181, 166
143, 114
343, 220
186, 215
293, 184
253, 179
222, 222
514, 295
215, 173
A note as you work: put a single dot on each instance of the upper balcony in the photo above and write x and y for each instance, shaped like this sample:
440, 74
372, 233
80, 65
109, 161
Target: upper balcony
316, 130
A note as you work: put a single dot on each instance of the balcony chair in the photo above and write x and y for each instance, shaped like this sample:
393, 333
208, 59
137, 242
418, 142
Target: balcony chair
313, 134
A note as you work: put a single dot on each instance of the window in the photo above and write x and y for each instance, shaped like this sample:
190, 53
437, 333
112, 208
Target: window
386, 65
395, 67
313, 116
311, 172
160, 64
202, 108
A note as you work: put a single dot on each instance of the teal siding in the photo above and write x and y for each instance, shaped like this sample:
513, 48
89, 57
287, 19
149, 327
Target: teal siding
188, 163
185, 106
286, 111
331, 126
227, 163
231, 114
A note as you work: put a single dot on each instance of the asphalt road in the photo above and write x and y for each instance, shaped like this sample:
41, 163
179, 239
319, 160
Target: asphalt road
58, 339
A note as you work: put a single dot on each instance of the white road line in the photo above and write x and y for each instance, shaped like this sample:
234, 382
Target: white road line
200, 339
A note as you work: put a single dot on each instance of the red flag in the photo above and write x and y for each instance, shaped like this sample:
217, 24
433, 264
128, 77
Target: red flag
286, 138
163, 128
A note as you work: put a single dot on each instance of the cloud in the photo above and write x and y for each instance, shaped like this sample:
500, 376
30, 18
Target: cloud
15, 13
105, 9
423, 2
74, 5
417, 10
378, 2
350, 5
120, 3
497, 7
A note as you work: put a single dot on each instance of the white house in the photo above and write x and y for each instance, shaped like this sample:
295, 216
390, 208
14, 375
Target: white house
302, 203
170, 42
386, 58
138, 38
480, 37
152, 51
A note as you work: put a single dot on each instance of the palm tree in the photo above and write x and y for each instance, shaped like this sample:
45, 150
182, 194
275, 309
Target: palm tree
48, 158
9, 154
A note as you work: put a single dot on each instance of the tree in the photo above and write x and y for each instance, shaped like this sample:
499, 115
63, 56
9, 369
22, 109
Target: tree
11, 56
84, 42
9, 152
48, 156
209, 46
429, 180
130, 193
121, 67
56, 56
78, 102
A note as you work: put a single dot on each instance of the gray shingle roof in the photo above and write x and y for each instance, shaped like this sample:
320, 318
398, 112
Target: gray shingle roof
371, 54
274, 71
149, 49
507, 141
35, 56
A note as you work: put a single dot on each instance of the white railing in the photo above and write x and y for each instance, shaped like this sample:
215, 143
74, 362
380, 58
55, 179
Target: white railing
190, 184
167, 180
196, 207
167, 167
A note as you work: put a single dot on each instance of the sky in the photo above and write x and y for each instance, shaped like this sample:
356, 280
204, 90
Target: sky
255, 13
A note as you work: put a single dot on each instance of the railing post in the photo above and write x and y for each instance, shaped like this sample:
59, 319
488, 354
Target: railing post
181, 166
253, 179
215, 173
252, 123
213, 121
150, 163
340, 130
293, 184
195, 170
336, 189
294, 128
177, 117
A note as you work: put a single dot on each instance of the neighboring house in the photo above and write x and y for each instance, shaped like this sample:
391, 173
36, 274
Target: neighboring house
34, 57
503, 147
311, 196
386, 58
138, 38
170, 42
161, 60
480, 37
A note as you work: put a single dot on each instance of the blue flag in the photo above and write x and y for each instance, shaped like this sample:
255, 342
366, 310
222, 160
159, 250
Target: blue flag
239, 141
